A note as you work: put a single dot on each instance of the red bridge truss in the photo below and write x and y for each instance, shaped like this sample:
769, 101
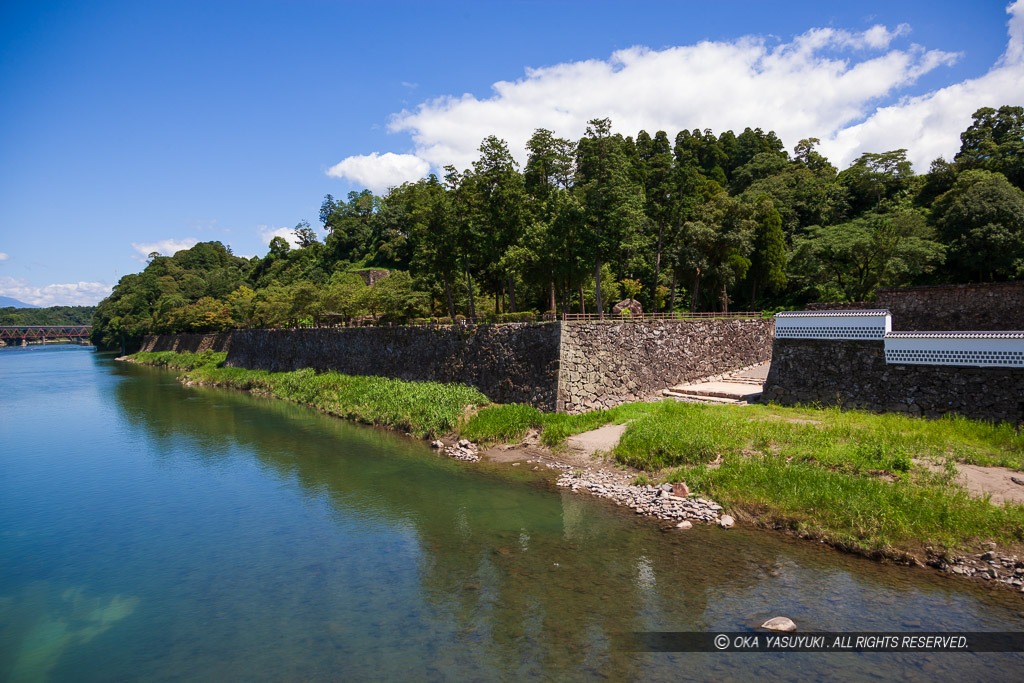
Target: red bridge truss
45, 331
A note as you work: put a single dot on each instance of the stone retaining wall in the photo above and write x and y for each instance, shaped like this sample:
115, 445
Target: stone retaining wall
191, 343
512, 363
605, 364
854, 374
992, 306
570, 366
980, 307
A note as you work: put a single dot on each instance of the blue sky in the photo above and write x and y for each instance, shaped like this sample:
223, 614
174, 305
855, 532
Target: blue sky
128, 127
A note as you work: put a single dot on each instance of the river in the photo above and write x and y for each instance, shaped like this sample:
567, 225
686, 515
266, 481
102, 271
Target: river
150, 531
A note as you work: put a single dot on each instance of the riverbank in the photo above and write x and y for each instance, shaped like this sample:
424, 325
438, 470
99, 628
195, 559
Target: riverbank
879, 485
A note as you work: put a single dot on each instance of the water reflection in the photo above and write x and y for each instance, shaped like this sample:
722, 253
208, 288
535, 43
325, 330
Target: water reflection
448, 570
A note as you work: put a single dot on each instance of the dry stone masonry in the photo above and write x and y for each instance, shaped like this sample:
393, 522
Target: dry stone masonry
975, 374
190, 343
512, 363
990, 306
568, 366
605, 364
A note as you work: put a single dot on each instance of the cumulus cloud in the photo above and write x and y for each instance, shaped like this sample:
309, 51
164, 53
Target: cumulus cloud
168, 247
378, 172
929, 126
828, 83
3, 256
74, 294
268, 233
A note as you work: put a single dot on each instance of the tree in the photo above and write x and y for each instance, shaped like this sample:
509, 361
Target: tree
768, 259
613, 204
982, 219
806, 155
856, 257
717, 246
548, 164
995, 142
350, 224
500, 203
876, 177
304, 235
279, 247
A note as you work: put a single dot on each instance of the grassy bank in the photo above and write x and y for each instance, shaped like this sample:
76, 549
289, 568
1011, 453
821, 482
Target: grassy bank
853, 478
426, 409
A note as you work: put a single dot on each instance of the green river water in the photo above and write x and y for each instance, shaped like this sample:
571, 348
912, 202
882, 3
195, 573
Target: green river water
150, 531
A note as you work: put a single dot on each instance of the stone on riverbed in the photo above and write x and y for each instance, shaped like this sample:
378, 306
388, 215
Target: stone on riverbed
726, 522
779, 624
685, 524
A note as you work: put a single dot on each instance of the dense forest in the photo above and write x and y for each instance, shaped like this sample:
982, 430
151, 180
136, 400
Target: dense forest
54, 315
697, 222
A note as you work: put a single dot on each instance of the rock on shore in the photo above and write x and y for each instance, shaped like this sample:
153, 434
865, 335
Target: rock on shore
655, 501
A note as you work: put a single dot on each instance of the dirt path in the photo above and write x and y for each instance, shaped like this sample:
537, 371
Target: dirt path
578, 454
603, 439
1001, 483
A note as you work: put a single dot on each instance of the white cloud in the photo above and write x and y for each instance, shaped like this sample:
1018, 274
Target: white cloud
74, 294
826, 83
268, 233
168, 247
378, 172
3, 256
929, 126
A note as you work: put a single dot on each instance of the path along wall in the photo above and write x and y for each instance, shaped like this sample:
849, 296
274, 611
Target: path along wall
568, 366
605, 364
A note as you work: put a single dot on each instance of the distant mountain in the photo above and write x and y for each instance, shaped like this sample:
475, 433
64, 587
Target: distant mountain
6, 301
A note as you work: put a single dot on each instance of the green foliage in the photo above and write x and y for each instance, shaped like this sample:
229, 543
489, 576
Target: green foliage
54, 315
875, 250
700, 216
426, 409
995, 142
982, 219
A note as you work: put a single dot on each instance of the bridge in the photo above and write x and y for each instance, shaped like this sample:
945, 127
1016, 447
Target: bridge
44, 333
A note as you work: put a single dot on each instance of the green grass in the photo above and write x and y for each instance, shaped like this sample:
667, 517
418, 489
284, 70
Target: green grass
670, 434
426, 409
502, 424
858, 512
179, 361
847, 477
507, 423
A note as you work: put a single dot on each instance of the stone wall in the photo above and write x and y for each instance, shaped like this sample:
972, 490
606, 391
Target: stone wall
608, 363
512, 363
993, 306
192, 343
983, 307
569, 366
854, 374
842, 306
